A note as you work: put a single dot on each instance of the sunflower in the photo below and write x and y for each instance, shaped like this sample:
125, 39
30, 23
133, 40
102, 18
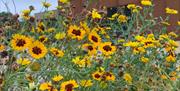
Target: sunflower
94, 38
97, 75
107, 48
45, 86
2, 47
75, 32
91, 49
37, 50
85, 26
20, 42
57, 52
109, 76
68, 85
43, 38
40, 27
25, 14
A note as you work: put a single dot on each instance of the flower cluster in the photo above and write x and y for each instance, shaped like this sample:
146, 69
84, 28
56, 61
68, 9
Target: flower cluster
91, 53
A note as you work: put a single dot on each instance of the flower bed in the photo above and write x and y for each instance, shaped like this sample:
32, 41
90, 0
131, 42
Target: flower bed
95, 53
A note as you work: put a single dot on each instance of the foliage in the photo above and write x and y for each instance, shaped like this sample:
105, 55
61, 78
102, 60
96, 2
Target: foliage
95, 53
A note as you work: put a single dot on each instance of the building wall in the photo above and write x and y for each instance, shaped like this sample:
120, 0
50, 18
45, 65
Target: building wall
159, 9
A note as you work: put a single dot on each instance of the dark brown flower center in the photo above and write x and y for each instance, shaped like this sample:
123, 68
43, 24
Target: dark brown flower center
76, 32
69, 87
56, 52
37, 50
94, 38
107, 48
146, 43
42, 27
97, 76
108, 74
90, 48
20, 43
42, 39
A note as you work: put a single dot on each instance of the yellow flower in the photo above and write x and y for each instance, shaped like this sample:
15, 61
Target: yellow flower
172, 43
121, 41
173, 78
97, 75
85, 27
57, 78
163, 77
57, 52
41, 27
132, 44
60, 35
37, 50
144, 60
139, 38
75, 32
45, 86
43, 38
2, 47
86, 83
25, 14
146, 2
23, 61
173, 73
137, 50
81, 62
20, 42
89, 48
68, 85
127, 77
109, 76
46, 4
51, 30
94, 38
178, 23
166, 23
95, 14
122, 18
131, 6
170, 58
114, 16
150, 42
163, 36
107, 48
64, 1
172, 34
171, 11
